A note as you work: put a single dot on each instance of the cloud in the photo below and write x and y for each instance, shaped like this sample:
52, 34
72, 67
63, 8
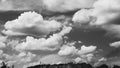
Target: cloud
57, 58
46, 5
67, 50
2, 41
115, 44
106, 11
82, 17
31, 23
85, 49
52, 43
65, 5
78, 59
65, 30
20, 5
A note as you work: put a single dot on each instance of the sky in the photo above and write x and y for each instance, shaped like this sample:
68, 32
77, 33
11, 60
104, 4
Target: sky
59, 31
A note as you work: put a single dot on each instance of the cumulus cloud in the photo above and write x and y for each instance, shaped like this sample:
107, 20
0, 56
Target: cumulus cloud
86, 49
65, 5
82, 17
78, 59
67, 50
31, 23
52, 43
85, 54
2, 41
106, 11
115, 44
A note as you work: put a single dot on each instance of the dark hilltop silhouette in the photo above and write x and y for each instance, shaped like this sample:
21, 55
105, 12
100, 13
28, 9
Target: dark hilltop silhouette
72, 65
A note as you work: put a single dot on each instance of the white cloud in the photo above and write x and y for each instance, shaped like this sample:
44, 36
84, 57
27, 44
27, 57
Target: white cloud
2, 45
82, 17
105, 11
115, 44
65, 30
52, 43
2, 41
57, 58
67, 50
86, 49
78, 59
31, 23
67, 5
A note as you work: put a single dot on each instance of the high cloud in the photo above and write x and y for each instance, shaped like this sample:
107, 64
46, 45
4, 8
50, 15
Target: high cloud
31, 23
49, 5
65, 5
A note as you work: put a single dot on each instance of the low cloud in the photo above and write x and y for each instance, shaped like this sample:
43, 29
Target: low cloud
57, 59
67, 50
52, 43
82, 17
31, 23
86, 49
106, 11
115, 44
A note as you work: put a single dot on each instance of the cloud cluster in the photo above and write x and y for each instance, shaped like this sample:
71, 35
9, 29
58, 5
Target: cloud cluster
49, 5
31, 23
52, 43
85, 54
70, 49
103, 11
106, 11
65, 5
105, 15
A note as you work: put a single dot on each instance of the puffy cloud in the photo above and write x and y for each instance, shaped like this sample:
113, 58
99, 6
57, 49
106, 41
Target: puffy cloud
31, 23
65, 30
2, 42
65, 5
52, 43
115, 44
67, 50
2, 45
82, 17
106, 11
78, 59
85, 49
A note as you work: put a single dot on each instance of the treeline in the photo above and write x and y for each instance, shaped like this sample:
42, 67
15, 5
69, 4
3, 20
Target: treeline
4, 65
69, 65
72, 65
